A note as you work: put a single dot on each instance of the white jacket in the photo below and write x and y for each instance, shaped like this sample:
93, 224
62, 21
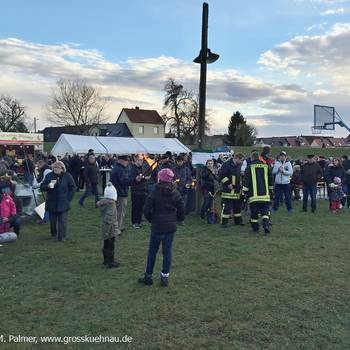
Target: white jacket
282, 177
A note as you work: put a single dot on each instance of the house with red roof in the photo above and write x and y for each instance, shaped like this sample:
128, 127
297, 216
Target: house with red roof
142, 122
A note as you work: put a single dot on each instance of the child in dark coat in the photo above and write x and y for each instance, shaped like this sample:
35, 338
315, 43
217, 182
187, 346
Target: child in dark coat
163, 209
108, 207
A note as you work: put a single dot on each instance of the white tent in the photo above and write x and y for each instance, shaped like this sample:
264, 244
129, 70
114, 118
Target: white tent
76, 144
121, 145
162, 145
116, 145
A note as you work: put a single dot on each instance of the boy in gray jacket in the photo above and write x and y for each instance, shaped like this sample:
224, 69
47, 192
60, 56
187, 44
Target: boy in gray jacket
109, 224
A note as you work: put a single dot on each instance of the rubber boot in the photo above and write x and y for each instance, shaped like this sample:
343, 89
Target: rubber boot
267, 226
238, 220
255, 227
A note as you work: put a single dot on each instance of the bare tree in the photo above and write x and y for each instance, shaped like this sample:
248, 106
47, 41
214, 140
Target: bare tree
74, 102
12, 115
181, 108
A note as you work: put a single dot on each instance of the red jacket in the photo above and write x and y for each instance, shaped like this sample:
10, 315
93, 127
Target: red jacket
7, 209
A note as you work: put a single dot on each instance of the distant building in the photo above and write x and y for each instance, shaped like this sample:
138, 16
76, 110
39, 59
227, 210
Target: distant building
52, 134
314, 141
142, 122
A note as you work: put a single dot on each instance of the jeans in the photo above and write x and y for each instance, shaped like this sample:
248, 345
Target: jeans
167, 241
90, 189
281, 190
309, 190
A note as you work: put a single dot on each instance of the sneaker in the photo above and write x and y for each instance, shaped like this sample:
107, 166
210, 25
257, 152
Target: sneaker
181, 223
137, 226
146, 280
164, 281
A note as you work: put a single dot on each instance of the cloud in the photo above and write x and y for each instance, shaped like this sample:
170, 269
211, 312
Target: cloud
29, 71
319, 26
332, 12
322, 56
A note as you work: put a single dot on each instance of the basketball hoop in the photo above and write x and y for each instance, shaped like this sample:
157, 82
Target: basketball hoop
315, 130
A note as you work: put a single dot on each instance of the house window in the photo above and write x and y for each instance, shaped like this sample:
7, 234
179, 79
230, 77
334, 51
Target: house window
156, 130
141, 129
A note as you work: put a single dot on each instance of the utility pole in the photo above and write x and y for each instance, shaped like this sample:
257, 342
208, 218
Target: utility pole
205, 57
35, 124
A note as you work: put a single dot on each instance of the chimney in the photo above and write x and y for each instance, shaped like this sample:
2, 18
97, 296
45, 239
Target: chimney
137, 107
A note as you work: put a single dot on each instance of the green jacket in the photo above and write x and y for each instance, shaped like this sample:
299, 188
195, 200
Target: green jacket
109, 218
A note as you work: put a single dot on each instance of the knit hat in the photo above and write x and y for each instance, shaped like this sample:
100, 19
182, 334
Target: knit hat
337, 180
165, 175
110, 192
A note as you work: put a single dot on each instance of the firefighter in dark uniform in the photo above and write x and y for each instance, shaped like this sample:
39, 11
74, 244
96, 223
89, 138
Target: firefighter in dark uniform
258, 187
230, 178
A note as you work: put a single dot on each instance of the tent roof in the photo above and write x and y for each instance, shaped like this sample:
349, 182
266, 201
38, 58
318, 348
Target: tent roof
162, 145
76, 144
116, 145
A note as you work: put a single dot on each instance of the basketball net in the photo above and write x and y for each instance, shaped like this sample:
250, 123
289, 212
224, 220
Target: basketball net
316, 131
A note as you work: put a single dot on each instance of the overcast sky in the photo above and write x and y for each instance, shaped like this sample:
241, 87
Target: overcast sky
277, 57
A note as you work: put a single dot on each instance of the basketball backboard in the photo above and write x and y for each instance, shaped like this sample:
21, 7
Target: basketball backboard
324, 118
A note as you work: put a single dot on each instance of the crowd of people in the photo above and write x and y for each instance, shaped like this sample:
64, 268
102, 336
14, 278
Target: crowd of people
161, 188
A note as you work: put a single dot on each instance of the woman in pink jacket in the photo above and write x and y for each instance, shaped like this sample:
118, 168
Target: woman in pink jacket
8, 211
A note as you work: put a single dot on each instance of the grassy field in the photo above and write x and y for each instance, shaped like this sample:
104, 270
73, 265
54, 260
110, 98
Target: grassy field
229, 289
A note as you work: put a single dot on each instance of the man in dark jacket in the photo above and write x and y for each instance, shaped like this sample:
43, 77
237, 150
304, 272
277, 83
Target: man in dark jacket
346, 166
75, 165
91, 179
163, 209
207, 185
311, 173
138, 190
183, 178
334, 169
29, 168
121, 181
